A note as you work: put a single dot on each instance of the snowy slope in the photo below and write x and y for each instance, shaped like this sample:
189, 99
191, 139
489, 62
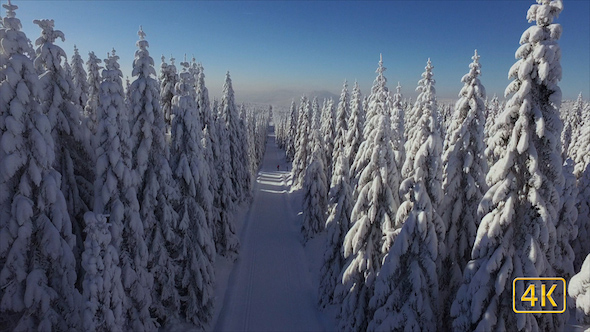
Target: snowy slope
272, 286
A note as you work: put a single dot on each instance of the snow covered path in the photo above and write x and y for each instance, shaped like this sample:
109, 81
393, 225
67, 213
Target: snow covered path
271, 287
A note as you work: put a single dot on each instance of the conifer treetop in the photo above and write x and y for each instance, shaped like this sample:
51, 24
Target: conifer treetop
143, 65
140, 33
48, 34
48, 54
10, 9
426, 84
544, 12
13, 43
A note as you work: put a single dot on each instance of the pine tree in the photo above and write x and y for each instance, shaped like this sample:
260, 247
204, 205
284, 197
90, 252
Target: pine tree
356, 124
79, 78
128, 99
292, 131
94, 81
464, 181
203, 108
515, 237
582, 244
377, 104
194, 70
492, 111
239, 176
580, 149
337, 225
37, 273
103, 291
316, 123
373, 213
489, 129
407, 289
328, 129
168, 80
251, 124
579, 290
210, 143
226, 241
316, 117
300, 161
566, 227
397, 128
341, 127
67, 68
81, 87
566, 137
115, 194
196, 251
156, 188
72, 159
315, 191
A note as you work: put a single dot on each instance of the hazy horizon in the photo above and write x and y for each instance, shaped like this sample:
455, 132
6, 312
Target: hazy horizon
274, 49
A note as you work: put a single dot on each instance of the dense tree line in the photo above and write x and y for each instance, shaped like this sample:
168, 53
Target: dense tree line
114, 203
434, 209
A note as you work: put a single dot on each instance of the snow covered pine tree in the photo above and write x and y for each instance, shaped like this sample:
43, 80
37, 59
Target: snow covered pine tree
36, 242
373, 213
522, 205
406, 290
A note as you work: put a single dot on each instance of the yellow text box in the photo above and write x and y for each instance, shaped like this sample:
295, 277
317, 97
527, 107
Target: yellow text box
546, 294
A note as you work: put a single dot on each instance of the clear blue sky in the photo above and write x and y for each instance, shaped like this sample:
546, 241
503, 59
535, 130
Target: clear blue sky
303, 46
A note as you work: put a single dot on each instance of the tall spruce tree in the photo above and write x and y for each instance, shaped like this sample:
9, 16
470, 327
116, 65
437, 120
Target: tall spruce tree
566, 227
81, 87
407, 290
328, 129
168, 80
196, 250
464, 183
115, 194
356, 124
103, 290
373, 213
79, 78
397, 128
38, 270
515, 237
341, 126
292, 131
236, 131
377, 104
211, 152
304, 125
580, 150
156, 188
315, 190
579, 290
582, 244
337, 225
72, 159
226, 241
493, 111
94, 80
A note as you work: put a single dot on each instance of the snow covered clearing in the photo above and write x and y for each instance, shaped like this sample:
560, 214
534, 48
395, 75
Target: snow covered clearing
273, 284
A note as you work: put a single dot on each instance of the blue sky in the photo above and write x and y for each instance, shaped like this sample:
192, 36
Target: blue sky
291, 47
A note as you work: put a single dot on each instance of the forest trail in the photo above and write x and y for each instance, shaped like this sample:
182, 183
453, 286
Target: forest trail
270, 287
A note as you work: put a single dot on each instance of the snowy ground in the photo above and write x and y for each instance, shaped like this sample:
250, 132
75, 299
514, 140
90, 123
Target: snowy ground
273, 284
